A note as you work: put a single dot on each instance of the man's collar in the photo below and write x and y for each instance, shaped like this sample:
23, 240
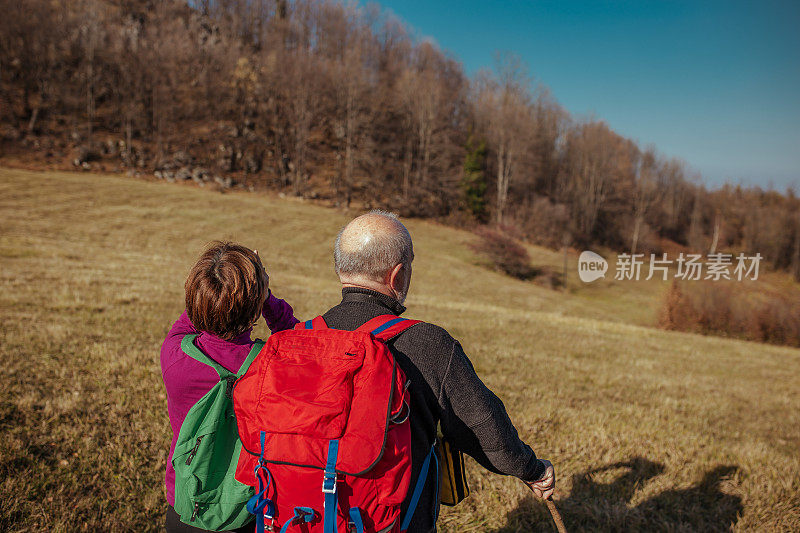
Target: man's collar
360, 294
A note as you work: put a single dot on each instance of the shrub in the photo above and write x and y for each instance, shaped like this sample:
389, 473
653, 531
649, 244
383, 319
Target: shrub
728, 309
548, 277
505, 253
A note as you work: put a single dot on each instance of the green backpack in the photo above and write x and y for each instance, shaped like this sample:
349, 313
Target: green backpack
206, 494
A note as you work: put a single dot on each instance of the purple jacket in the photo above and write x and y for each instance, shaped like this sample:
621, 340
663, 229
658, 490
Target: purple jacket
187, 380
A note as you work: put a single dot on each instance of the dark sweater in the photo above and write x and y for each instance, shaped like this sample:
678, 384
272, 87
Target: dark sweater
444, 387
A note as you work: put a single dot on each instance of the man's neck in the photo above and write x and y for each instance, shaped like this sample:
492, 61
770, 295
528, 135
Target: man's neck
378, 287
357, 293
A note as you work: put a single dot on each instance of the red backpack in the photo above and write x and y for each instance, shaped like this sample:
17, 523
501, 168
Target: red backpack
323, 415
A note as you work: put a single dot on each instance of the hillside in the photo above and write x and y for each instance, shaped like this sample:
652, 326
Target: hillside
648, 430
344, 103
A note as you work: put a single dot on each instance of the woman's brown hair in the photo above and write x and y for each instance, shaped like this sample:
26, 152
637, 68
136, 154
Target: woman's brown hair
226, 289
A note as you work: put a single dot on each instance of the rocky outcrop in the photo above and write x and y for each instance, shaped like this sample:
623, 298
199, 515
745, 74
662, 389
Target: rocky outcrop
182, 167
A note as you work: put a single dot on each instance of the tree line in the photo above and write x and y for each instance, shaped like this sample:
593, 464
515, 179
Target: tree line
340, 102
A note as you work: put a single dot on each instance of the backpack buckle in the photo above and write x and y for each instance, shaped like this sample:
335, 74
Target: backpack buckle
329, 484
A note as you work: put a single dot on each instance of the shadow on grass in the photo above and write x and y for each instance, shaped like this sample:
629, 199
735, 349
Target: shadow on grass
605, 505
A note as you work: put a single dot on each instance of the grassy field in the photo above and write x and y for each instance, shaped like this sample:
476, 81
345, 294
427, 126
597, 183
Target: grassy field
648, 430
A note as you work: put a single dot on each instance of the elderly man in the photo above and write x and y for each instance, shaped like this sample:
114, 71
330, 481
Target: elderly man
373, 256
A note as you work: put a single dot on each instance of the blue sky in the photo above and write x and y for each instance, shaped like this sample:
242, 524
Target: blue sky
715, 83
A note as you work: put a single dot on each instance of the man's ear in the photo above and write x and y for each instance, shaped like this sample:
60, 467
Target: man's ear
396, 278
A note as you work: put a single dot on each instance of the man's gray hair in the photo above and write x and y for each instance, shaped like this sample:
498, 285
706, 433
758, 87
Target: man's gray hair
373, 258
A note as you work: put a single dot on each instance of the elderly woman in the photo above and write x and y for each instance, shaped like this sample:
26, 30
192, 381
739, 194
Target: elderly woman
227, 291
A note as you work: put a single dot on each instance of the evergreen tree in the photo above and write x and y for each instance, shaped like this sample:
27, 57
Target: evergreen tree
473, 183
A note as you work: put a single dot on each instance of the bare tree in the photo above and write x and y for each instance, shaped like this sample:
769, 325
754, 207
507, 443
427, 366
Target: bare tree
92, 35
35, 47
430, 90
645, 192
590, 165
675, 201
352, 82
795, 262
696, 233
550, 120
303, 81
504, 109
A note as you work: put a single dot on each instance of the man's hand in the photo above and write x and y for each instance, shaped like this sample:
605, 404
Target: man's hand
543, 488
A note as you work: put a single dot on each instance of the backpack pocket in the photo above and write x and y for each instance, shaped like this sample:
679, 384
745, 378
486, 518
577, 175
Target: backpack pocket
308, 395
221, 508
206, 494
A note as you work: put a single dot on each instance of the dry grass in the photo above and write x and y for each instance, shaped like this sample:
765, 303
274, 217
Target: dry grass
649, 429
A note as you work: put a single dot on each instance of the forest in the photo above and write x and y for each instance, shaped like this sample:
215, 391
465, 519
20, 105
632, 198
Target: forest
341, 103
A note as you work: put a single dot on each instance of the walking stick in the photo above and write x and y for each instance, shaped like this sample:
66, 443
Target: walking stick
551, 506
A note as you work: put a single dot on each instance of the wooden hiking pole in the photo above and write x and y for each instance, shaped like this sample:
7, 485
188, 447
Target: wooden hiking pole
551, 506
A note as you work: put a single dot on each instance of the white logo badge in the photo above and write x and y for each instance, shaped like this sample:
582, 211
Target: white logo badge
591, 266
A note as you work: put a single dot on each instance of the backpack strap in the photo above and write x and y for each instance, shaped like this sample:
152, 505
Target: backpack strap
254, 351
260, 504
387, 327
314, 323
329, 489
188, 347
421, 479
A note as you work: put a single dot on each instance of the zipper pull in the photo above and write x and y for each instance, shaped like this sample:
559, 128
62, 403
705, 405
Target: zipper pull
194, 451
194, 513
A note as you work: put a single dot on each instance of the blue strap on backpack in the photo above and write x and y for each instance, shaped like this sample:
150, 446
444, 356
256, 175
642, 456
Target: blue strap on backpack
260, 505
423, 476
